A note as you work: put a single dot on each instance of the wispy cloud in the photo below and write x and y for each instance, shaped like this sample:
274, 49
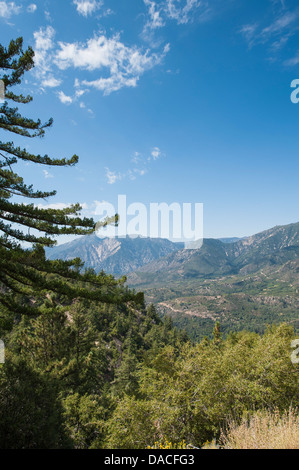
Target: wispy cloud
137, 158
124, 64
155, 12
276, 34
87, 7
156, 153
112, 176
32, 8
280, 25
65, 99
110, 65
182, 14
293, 61
51, 82
8, 9
141, 166
249, 32
47, 174
180, 11
161, 12
48, 16
43, 48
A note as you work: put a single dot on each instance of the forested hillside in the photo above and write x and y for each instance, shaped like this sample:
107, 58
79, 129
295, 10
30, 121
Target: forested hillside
94, 376
66, 368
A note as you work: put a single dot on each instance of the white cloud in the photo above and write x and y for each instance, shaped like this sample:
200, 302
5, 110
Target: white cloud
64, 98
280, 43
155, 19
180, 11
181, 14
112, 176
156, 153
113, 83
249, 32
280, 24
51, 82
48, 16
136, 158
80, 93
132, 174
47, 174
115, 64
294, 61
31, 8
108, 12
141, 168
7, 9
125, 64
44, 38
44, 43
277, 32
87, 7
139, 172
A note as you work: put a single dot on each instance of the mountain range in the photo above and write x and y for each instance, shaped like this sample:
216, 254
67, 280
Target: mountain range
117, 256
217, 258
158, 260
243, 283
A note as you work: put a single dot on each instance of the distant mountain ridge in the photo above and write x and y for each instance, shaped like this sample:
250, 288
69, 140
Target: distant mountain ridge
247, 284
243, 283
117, 256
274, 246
145, 260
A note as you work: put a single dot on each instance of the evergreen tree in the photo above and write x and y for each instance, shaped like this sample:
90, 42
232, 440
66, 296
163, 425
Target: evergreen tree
31, 412
24, 272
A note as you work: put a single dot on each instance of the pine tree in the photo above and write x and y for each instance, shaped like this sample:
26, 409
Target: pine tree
26, 272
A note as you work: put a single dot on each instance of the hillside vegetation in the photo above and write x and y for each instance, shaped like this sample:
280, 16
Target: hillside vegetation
247, 284
97, 376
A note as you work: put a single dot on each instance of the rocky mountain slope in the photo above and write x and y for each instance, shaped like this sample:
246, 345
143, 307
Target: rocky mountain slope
248, 284
247, 255
114, 256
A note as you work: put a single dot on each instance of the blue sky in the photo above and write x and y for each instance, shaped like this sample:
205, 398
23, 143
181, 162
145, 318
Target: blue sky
166, 101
